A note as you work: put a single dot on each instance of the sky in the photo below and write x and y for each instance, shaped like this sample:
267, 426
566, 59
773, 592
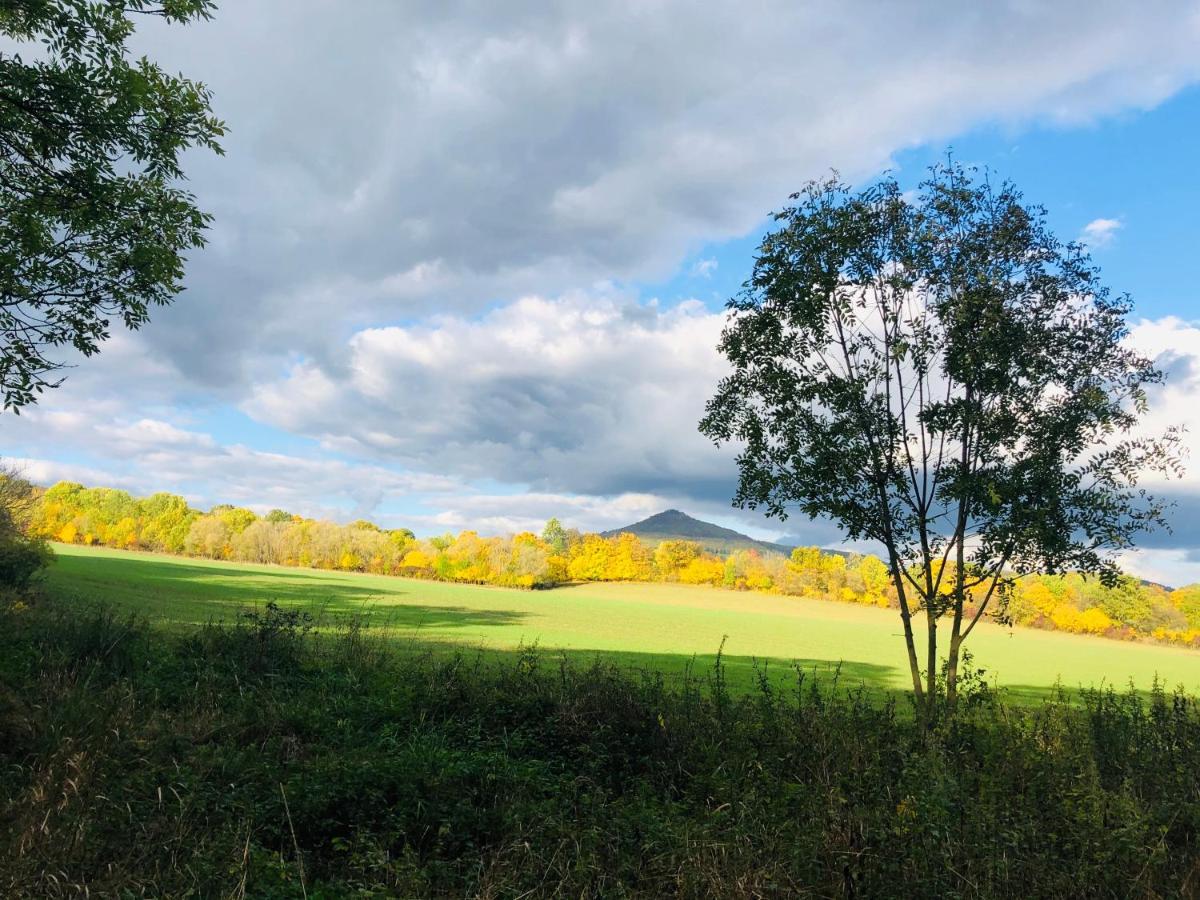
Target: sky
468, 260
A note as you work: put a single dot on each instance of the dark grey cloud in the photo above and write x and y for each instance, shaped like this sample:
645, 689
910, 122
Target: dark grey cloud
584, 394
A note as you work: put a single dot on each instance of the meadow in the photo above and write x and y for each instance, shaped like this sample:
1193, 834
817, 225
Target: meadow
250, 758
668, 628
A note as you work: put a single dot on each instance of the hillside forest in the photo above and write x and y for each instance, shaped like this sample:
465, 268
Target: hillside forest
71, 513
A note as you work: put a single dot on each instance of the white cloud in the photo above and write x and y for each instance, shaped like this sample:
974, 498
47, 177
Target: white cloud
587, 394
704, 268
49, 471
149, 455
386, 161
1100, 232
529, 511
1173, 568
1174, 346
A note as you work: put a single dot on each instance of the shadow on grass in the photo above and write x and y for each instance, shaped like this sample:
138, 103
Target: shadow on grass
739, 674
183, 595
1031, 694
180, 595
150, 567
749, 674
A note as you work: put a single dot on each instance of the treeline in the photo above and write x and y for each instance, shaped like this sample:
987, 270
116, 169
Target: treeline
72, 513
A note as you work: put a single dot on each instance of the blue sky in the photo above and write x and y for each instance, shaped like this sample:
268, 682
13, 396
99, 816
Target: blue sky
1136, 166
468, 263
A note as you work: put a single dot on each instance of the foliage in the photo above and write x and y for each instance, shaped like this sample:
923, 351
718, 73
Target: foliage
941, 375
22, 555
1187, 601
93, 223
21, 559
134, 763
71, 513
555, 536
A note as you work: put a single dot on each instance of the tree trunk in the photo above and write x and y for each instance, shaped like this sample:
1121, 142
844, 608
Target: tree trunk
956, 640
931, 671
952, 672
914, 666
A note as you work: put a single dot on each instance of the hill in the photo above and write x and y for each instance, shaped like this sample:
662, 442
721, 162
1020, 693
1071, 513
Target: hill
673, 525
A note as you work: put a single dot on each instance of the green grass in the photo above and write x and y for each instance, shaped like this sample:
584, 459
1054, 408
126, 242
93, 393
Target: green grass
664, 627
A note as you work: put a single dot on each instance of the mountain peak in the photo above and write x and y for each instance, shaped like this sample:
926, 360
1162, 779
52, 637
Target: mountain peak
674, 524
671, 515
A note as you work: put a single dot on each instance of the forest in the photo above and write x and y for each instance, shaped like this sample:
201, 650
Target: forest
69, 513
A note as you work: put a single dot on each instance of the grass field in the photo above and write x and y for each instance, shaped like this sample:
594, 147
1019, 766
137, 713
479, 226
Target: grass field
665, 627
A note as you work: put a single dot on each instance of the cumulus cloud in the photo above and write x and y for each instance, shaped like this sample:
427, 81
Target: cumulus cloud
1100, 232
1174, 346
584, 394
150, 455
588, 398
390, 160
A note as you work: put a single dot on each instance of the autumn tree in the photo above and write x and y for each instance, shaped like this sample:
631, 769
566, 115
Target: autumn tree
938, 373
93, 221
1187, 601
166, 520
21, 554
672, 556
208, 536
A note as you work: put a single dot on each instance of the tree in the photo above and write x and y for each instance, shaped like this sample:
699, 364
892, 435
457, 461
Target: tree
589, 558
93, 223
703, 570
941, 375
1187, 600
260, 542
671, 557
555, 536
22, 554
208, 536
236, 518
628, 559
166, 520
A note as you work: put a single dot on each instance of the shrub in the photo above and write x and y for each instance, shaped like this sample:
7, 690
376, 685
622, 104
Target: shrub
21, 558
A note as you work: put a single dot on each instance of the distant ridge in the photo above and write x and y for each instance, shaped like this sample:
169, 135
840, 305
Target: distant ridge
673, 525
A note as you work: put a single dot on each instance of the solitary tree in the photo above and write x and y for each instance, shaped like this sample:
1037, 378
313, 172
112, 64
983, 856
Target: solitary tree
93, 222
941, 375
555, 535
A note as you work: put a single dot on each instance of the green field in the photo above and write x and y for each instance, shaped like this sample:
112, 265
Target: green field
658, 626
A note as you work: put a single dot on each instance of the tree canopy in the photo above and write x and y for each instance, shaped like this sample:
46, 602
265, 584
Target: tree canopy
93, 221
940, 374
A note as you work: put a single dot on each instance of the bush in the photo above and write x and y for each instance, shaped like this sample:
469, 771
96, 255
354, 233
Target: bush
258, 760
21, 558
